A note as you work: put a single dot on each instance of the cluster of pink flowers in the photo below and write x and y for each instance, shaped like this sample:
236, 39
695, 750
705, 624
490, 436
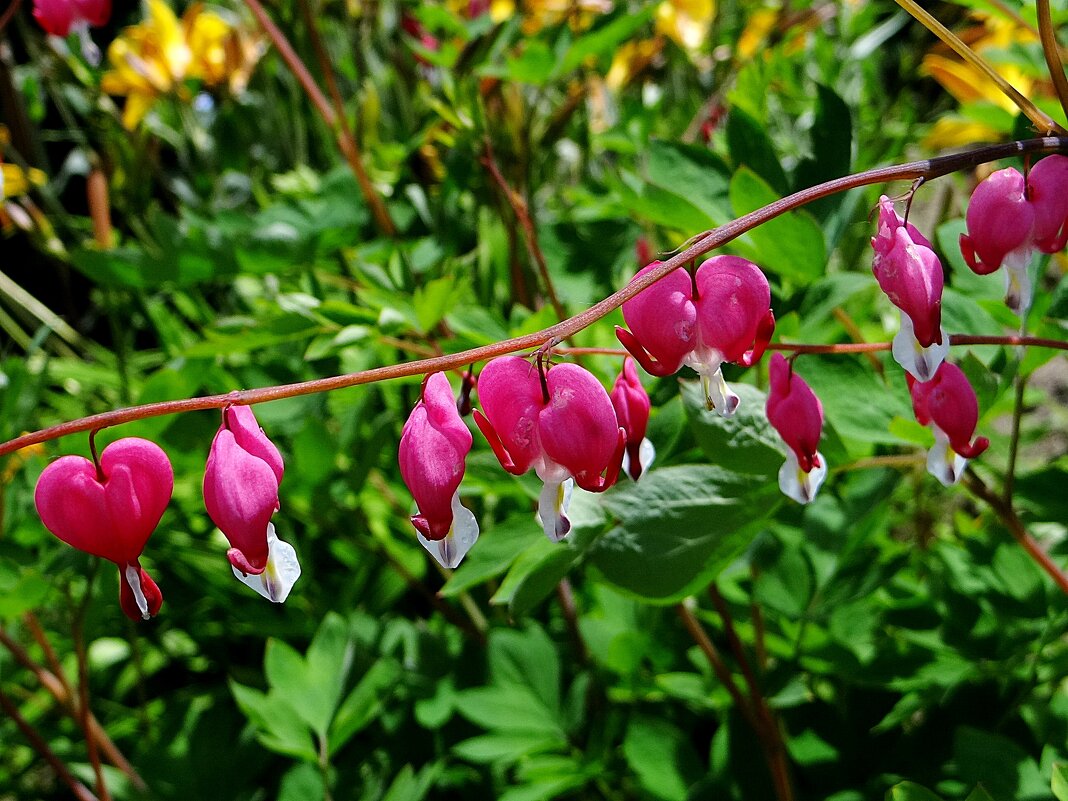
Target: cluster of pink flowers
558, 420
110, 506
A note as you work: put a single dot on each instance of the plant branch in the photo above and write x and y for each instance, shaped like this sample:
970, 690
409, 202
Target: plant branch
9, 14
701, 244
1052, 52
334, 119
566, 595
1041, 120
59, 688
1014, 437
530, 234
80, 791
78, 632
1012, 522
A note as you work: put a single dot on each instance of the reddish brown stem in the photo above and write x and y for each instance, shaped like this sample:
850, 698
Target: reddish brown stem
530, 234
81, 792
709, 240
566, 595
1052, 51
337, 123
1005, 511
9, 14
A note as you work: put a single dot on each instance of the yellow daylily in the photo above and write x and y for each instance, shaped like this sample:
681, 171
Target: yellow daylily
685, 21
950, 132
154, 57
968, 85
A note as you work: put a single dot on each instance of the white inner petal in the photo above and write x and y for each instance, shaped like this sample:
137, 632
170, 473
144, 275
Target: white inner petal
451, 550
646, 455
921, 362
552, 507
1019, 289
90, 52
133, 579
796, 483
281, 572
943, 462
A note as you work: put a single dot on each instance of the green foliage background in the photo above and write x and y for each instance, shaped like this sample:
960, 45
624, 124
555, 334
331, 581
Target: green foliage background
900, 636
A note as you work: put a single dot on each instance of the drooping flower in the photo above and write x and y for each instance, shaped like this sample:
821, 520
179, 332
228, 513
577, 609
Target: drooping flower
110, 511
433, 452
241, 482
631, 402
910, 274
720, 314
558, 420
1010, 217
60, 17
797, 414
948, 406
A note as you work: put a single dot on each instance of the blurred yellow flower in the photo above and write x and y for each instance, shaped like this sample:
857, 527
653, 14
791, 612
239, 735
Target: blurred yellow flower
630, 60
15, 181
953, 131
538, 14
154, 57
685, 21
968, 85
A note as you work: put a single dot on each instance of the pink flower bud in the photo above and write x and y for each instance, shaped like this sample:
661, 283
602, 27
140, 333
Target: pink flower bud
948, 406
1048, 190
910, 274
721, 314
560, 422
433, 449
241, 482
111, 514
631, 402
797, 414
59, 17
1000, 222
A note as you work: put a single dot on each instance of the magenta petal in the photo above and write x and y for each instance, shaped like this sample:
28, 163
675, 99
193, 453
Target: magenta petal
578, 426
733, 299
795, 412
663, 318
1048, 193
1000, 219
510, 394
948, 401
240, 495
115, 518
250, 437
433, 448
631, 403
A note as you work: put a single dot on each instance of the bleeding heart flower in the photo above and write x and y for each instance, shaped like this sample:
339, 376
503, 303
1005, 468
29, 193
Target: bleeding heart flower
241, 482
1010, 217
910, 274
111, 511
720, 314
797, 414
60, 17
948, 406
433, 452
558, 420
631, 402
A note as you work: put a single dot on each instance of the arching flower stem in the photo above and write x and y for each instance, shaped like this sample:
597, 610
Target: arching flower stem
701, 244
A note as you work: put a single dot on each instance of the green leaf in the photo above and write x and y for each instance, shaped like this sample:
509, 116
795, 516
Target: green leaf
907, 791
278, 727
746, 443
787, 583
980, 794
695, 174
510, 708
678, 527
751, 148
505, 747
539, 553
791, 244
1059, 781
498, 547
662, 757
528, 658
603, 41
832, 143
366, 701
855, 400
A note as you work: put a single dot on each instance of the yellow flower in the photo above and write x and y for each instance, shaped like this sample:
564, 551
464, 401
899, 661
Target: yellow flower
951, 131
15, 181
968, 85
154, 57
685, 21
629, 61
757, 28
538, 14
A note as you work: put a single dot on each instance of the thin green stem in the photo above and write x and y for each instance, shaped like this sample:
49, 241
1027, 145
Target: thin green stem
701, 244
1014, 438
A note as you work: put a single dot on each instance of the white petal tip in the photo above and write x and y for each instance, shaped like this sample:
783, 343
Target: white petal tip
281, 573
922, 363
795, 483
451, 550
552, 508
943, 462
